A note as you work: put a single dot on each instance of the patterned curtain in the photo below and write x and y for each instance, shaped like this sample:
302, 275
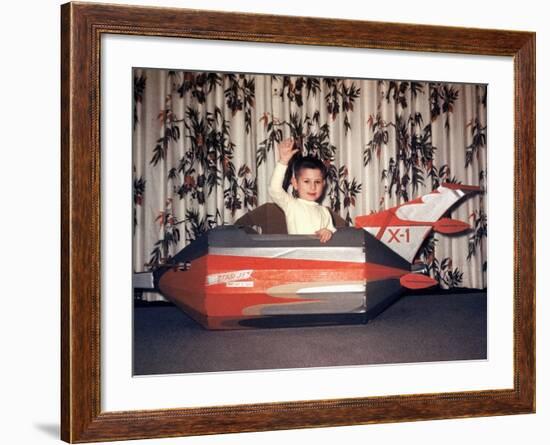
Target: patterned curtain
204, 147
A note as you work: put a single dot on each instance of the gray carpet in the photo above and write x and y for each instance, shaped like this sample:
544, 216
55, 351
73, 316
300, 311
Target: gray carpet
418, 328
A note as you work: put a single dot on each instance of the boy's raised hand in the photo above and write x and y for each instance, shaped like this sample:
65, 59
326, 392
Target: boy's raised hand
286, 150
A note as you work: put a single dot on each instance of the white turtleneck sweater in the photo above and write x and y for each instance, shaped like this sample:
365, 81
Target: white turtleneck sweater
303, 217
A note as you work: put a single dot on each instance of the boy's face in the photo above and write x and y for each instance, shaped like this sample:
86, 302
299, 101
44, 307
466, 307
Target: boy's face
309, 184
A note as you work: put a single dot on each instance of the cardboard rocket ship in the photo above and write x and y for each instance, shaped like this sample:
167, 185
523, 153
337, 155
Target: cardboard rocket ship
232, 277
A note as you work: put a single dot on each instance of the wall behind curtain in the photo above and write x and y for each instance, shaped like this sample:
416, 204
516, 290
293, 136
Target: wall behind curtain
205, 145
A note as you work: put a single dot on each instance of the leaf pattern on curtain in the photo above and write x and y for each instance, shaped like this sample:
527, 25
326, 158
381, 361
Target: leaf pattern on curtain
204, 150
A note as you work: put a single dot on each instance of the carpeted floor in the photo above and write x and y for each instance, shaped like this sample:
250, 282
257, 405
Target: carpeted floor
418, 328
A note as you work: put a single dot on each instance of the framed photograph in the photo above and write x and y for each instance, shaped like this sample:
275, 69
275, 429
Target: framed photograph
187, 310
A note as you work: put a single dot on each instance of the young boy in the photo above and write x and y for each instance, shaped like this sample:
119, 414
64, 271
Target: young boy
304, 215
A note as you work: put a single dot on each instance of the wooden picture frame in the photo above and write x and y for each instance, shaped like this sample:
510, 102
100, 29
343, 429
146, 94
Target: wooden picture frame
82, 26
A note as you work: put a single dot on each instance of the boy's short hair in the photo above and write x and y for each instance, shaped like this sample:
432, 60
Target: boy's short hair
302, 162
297, 163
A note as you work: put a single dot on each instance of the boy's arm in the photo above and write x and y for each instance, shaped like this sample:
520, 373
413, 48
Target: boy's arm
326, 233
279, 196
286, 151
330, 225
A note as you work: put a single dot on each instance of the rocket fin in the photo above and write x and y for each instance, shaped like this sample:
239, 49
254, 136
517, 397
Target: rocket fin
405, 227
417, 281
